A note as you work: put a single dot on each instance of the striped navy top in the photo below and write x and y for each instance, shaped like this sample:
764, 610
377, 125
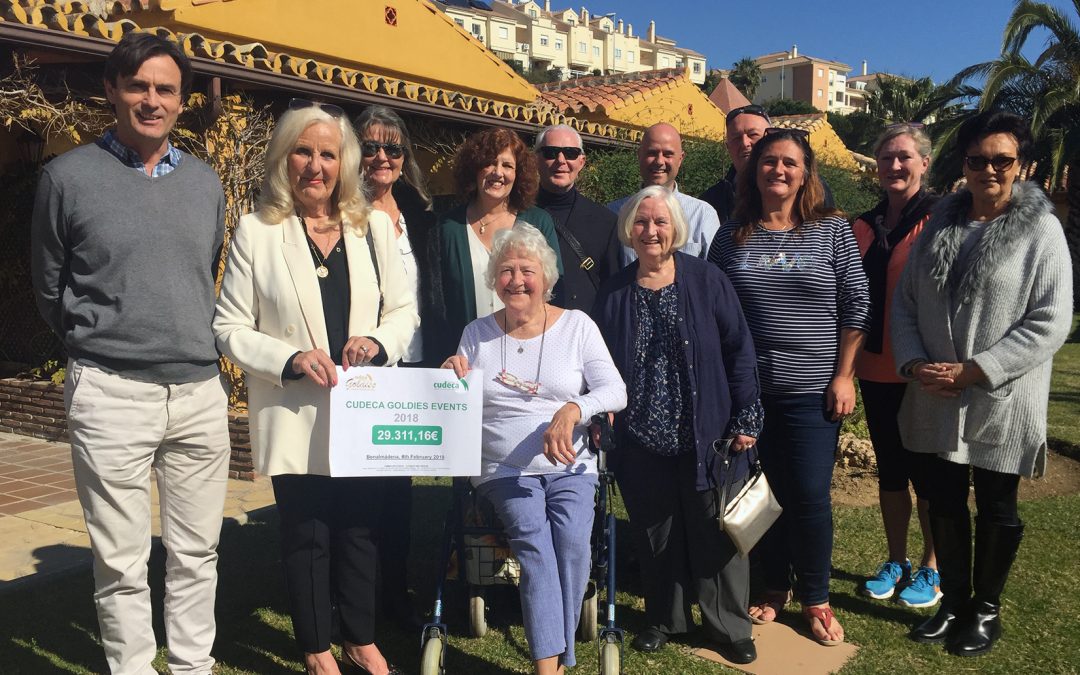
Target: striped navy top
797, 289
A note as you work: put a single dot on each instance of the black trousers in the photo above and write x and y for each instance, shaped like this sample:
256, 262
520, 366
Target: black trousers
329, 555
995, 493
897, 466
684, 555
395, 529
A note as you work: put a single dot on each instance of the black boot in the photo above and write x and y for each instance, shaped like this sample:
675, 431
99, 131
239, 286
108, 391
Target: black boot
995, 551
952, 543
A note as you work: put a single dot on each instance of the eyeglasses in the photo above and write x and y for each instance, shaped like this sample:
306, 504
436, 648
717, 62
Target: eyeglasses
1000, 163
802, 134
553, 151
372, 148
898, 125
330, 109
749, 110
519, 384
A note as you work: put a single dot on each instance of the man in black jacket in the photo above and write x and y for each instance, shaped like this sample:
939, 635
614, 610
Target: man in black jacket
745, 127
588, 241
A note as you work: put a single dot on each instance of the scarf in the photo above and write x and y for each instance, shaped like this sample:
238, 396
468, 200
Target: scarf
876, 260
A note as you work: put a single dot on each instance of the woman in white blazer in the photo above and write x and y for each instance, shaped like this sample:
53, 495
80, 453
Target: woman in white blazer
314, 281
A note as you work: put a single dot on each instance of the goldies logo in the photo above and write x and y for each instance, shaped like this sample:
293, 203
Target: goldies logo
360, 383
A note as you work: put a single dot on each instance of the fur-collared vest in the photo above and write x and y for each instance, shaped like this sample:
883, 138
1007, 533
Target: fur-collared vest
1008, 310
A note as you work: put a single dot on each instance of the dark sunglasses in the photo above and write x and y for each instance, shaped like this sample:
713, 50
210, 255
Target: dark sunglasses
1000, 163
330, 109
749, 110
372, 148
553, 151
897, 125
801, 134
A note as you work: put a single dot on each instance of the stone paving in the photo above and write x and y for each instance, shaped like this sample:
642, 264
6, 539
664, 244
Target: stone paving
41, 525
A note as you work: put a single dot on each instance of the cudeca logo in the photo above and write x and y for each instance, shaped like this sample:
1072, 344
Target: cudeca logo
361, 383
461, 384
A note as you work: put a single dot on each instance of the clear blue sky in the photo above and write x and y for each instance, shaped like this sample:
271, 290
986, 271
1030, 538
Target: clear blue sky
917, 38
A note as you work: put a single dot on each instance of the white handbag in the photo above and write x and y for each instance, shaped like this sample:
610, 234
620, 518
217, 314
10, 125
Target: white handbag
749, 515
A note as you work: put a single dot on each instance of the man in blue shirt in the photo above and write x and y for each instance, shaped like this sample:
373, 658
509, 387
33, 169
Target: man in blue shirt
660, 156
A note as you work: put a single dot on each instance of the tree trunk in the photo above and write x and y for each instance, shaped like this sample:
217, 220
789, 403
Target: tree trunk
1072, 228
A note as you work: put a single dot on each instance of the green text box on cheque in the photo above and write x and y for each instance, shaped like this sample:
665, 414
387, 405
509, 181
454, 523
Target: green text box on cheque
396, 434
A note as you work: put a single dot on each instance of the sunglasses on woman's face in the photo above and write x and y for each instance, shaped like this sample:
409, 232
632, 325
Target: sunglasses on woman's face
1000, 163
553, 152
372, 148
793, 133
330, 109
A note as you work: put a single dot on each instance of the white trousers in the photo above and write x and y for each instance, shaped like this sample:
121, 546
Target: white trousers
119, 429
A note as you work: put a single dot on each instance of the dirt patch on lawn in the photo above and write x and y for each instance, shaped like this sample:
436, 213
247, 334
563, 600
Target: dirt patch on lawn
855, 477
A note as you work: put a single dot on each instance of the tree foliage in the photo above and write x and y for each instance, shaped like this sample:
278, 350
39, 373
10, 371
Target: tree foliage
898, 99
779, 107
858, 130
746, 76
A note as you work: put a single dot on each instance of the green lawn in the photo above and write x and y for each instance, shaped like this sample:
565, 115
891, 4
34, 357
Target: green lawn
51, 627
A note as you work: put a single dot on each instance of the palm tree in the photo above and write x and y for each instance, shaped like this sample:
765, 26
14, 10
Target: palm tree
1046, 92
746, 76
898, 99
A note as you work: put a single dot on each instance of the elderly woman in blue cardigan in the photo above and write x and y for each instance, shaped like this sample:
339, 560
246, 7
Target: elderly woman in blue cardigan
984, 302
678, 337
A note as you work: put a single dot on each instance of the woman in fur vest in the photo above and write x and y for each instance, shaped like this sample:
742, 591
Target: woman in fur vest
984, 303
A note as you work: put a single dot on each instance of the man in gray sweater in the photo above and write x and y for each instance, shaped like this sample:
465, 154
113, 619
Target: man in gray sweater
125, 238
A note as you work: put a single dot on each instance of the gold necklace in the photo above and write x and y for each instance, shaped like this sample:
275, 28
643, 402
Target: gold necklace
321, 270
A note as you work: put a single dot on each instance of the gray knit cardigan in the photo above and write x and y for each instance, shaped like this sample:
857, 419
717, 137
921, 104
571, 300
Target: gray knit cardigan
1008, 311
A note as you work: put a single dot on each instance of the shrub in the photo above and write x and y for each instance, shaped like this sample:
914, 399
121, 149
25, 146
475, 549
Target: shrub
611, 174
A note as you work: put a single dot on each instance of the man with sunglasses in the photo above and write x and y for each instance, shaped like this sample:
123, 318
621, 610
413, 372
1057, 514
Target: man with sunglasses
588, 242
660, 156
125, 240
745, 127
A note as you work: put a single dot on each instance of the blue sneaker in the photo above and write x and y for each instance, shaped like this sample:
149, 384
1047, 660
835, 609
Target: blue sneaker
883, 584
924, 589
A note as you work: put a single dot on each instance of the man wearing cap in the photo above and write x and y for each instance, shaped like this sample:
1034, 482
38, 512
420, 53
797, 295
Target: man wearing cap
588, 243
125, 235
660, 156
745, 127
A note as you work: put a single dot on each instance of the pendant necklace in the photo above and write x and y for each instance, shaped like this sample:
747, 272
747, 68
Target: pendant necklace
513, 381
321, 270
777, 257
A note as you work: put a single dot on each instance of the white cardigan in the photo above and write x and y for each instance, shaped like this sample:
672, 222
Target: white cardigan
270, 307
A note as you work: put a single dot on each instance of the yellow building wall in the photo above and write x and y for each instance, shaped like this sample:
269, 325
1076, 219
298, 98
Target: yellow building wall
829, 148
424, 46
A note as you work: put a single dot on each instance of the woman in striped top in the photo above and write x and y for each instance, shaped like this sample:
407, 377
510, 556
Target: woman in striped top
796, 268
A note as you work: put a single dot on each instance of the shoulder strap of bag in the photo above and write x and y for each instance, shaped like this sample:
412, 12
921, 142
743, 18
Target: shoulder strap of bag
587, 263
378, 278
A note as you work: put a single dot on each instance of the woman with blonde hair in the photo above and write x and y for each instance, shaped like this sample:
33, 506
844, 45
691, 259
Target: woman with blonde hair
886, 236
315, 281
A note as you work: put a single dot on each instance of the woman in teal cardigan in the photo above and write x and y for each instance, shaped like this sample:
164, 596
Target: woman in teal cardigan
496, 174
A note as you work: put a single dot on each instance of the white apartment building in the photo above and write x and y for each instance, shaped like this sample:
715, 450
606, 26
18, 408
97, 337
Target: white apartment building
576, 42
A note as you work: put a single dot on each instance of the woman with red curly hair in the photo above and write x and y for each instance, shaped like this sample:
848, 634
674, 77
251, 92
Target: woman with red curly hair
495, 175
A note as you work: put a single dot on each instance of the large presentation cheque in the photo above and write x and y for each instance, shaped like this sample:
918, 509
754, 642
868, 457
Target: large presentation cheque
405, 422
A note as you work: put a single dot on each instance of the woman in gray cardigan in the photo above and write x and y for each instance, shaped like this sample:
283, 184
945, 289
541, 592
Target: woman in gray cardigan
984, 303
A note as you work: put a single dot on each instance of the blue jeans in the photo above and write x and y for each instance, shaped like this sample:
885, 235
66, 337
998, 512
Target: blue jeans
798, 450
548, 521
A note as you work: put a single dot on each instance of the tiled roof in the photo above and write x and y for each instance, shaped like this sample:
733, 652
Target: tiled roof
75, 18
607, 93
727, 96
